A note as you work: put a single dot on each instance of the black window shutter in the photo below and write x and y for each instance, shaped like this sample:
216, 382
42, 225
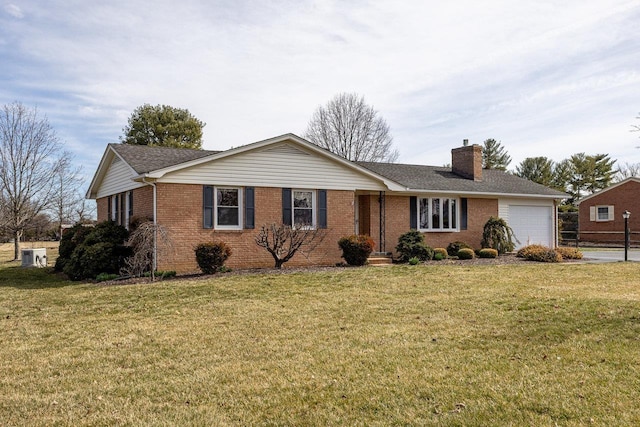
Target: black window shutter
130, 204
413, 212
109, 214
286, 207
322, 208
207, 206
249, 207
463, 214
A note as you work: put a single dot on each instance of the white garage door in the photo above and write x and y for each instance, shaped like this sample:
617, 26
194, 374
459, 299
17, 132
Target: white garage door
532, 224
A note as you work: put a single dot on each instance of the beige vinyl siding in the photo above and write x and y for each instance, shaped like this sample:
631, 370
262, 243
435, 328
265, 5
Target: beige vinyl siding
283, 165
117, 179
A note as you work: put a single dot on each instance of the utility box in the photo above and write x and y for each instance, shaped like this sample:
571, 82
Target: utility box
34, 257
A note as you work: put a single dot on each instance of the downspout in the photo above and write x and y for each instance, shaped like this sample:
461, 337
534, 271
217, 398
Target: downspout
155, 223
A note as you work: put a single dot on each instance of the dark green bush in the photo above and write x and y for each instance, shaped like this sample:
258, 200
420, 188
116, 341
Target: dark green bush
488, 253
71, 238
466, 253
498, 235
411, 244
437, 256
211, 256
454, 247
356, 248
101, 250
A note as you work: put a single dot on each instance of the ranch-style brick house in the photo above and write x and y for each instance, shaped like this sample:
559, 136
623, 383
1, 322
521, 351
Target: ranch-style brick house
201, 196
600, 214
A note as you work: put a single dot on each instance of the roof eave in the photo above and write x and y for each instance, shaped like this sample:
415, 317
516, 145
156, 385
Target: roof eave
490, 194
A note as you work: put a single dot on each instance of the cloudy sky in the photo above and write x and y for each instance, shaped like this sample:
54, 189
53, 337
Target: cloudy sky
545, 78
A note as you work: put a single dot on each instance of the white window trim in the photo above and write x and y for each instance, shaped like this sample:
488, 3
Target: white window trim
429, 214
314, 207
216, 226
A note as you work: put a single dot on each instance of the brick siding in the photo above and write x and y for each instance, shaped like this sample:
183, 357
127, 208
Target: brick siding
623, 197
180, 211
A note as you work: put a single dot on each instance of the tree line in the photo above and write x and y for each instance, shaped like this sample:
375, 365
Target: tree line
579, 175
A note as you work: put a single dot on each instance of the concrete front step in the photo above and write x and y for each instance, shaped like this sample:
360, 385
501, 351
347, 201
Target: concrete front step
380, 260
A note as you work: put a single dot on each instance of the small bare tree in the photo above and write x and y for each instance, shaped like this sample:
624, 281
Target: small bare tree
66, 199
350, 128
28, 160
626, 170
147, 242
283, 241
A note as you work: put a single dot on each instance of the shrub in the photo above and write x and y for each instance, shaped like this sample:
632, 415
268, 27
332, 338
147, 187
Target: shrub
414, 260
526, 251
488, 253
71, 238
498, 235
437, 256
211, 256
466, 253
411, 244
569, 253
101, 250
454, 247
283, 241
539, 253
440, 251
356, 248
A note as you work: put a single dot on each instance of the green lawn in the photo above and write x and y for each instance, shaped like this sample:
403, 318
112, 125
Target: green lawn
440, 345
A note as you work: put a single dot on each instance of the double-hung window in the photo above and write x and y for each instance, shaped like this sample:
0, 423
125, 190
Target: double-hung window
222, 208
437, 214
601, 213
303, 208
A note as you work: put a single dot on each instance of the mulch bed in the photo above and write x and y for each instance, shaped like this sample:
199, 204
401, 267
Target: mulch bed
501, 260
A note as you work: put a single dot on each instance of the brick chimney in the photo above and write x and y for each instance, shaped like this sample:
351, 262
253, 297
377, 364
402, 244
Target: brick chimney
466, 161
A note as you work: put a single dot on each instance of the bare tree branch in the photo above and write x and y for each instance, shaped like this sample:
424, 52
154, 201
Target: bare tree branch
28, 148
283, 241
350, 128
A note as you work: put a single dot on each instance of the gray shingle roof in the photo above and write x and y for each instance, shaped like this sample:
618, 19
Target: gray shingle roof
143, 158
433, 178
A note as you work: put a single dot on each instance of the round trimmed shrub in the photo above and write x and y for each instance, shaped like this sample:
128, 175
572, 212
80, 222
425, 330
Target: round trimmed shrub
488, 253
211, 256
411, 244
440, 251
466, 253
356, 248
454, 247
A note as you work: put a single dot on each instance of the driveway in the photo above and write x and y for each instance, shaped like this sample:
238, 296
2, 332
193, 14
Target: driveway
609, 254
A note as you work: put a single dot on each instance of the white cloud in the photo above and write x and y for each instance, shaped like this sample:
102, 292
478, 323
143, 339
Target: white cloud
527, 73
13, 10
